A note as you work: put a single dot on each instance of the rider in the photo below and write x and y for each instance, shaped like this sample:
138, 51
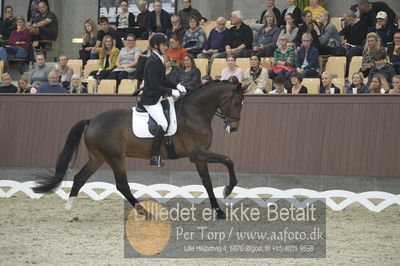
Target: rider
156, 85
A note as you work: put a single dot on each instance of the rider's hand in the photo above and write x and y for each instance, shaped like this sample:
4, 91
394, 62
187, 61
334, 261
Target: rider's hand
176, 93
181, 88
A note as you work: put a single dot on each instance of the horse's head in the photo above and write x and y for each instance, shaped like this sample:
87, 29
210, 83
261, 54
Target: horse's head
230, 108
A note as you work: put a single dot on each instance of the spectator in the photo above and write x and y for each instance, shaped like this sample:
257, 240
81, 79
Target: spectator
194, 38
46, 27
176, 51
291, 30
171, 72
65, 72
177, 28
296, 87
292, 8
41, 72
378, 85
89, 41
328, 35
396, 85
357, 85
7, 86
284, 58
18, 44
279, 82
189, 76
257, 75
108, 59
35, 87
384, 30
369, 11
315, 10
53, 86
76, 85
140, 27
188, 12
240, 37
33, 11
372, 46
381, 67
126, 60
307, 59
394, 52
9, 23
267, 36
217, 40
23, 85
124, 21
106, 30
232, 69
327, 86
270, 6
309, 26
158, 19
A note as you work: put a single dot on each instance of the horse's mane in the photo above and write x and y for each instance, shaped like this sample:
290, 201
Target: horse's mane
204, 88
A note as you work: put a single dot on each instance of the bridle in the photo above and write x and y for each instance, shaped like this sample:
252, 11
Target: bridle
228, 118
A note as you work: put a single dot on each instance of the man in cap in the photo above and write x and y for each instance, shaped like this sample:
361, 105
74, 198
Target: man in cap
383, 28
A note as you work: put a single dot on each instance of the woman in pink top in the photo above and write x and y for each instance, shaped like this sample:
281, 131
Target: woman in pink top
18, 44
231, 69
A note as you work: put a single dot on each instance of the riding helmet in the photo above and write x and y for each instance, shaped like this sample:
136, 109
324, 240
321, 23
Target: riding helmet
158, 39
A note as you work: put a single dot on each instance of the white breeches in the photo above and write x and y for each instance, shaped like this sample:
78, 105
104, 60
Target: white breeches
156, 112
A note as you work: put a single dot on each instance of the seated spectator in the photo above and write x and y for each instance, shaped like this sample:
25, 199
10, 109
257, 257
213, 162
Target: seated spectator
41, 72
396, 85
384, 30
177, 28
357, 85
76, 85
65, 72
292, 8
328, 35
176, 51
308, 26
46, 28
394, 52
194, 38
369, 10
217, 40
189, 76
158, 20
108, 59
140, 27
381, 67
257, 76
327, 86
284, 58
33, 14
106, 30
171, 71
296, 87
9, 23
315, 10
7, 86
23, 85
270, 6
232, 69
279, 85
372, 46
187, 12
378, 85
127, 60
53, 86
89, 41
307, 59
240, 37
267, 36
18, 44
291, 30
125, 20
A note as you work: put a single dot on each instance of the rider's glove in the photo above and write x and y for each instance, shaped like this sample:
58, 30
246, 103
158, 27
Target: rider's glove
181, 88
176, 93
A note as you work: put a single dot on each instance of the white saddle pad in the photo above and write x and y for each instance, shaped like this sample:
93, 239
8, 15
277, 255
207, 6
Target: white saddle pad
141, 128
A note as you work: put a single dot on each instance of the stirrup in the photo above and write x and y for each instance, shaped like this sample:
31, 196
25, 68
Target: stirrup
156, 161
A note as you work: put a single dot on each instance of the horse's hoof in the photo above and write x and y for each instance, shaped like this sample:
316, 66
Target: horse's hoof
73, 219
221, 215
226, 192
142, 211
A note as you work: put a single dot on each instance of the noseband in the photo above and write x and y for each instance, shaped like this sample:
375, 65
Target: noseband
228, 118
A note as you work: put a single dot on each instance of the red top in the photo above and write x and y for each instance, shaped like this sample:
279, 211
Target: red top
20, 36
177, 54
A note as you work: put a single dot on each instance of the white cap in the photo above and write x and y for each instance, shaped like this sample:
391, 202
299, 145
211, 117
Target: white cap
382, 15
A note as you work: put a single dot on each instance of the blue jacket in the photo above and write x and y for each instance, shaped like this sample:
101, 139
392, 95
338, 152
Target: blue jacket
386, 33
217, 40
47, 88
312, 58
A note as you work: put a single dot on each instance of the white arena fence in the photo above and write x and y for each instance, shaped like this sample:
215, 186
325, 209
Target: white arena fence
196, 194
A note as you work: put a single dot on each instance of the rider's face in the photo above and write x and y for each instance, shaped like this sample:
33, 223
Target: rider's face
163, 48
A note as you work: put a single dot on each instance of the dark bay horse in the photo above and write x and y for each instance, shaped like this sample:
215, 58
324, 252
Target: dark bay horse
109, 138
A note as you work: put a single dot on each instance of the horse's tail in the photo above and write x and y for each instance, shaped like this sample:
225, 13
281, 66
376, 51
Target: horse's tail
45, 183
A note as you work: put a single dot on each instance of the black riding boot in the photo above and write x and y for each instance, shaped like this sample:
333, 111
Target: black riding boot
155, 149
